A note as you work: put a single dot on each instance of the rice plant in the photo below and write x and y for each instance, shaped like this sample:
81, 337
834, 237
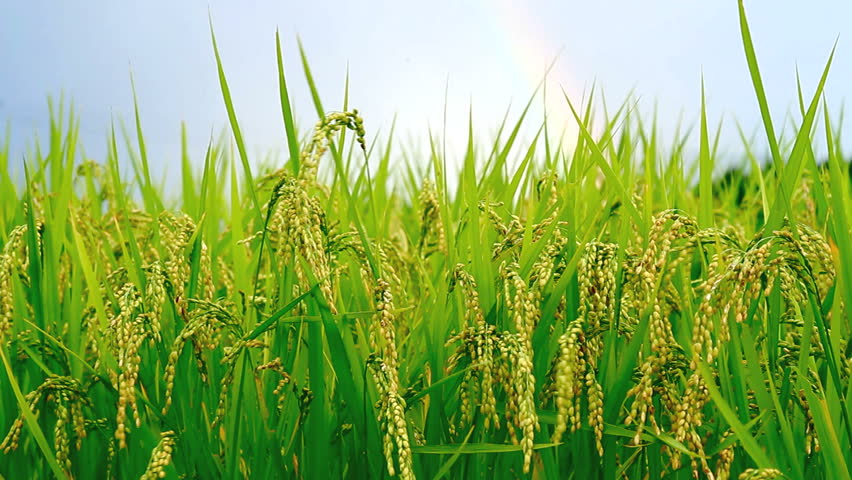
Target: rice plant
612, 310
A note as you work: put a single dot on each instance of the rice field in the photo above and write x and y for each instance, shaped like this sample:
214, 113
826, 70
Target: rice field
526, 310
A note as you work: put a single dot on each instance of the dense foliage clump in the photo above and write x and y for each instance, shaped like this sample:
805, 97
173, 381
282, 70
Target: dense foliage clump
603, 311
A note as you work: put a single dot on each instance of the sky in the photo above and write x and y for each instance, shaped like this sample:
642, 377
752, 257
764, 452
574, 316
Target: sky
403, 60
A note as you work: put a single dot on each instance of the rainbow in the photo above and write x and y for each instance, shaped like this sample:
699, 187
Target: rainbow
533, 52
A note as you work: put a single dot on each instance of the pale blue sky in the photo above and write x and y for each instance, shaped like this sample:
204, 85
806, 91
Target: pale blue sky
401, 56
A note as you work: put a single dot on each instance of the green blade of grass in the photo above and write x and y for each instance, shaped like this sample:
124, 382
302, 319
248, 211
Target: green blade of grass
757, 83
474, 448
235, 127
601, 162
749, 443
832, 452
286, 109
149, 194
793, 170
31, 421
705, 184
